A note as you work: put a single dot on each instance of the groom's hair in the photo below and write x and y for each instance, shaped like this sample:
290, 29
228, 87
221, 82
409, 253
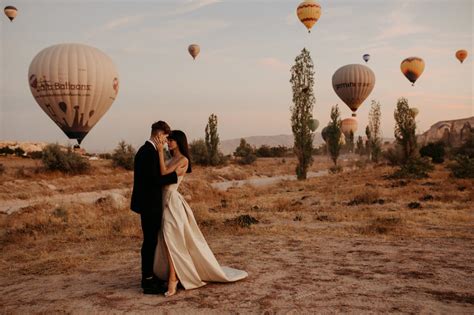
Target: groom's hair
160, 125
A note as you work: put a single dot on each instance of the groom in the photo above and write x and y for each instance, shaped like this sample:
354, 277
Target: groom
147, 201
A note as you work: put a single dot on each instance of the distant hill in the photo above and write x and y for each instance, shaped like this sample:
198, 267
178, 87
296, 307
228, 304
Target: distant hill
24, 145
452, 132
228, 146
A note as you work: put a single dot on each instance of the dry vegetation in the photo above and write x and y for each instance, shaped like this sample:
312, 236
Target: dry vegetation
350, 242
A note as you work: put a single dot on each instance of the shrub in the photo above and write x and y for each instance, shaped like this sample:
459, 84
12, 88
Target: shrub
462, 167
435, 151
245, 152
124, 156
264, 151
19, 152
414, 168
394, 156
36, 155
198, 151
6, 150
54, 159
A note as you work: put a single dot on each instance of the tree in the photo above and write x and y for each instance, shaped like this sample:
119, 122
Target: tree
334, 134
350, 142
405, 128
374, 133
198, 151
212, 141
360, 149
302, 80
245, 152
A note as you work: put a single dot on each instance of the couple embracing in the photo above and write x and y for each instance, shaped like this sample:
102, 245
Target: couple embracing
174, 249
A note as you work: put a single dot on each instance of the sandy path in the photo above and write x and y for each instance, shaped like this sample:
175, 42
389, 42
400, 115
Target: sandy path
286, 276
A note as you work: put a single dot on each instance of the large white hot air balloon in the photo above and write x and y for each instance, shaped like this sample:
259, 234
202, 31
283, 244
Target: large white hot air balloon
353, 84
75, 85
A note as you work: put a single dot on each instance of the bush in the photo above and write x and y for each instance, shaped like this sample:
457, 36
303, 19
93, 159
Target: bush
124, 156
394, 156
19, 152
462, 167
414, 168
198, 151
54, 159
6, 150
245, 152
36, 155
435, 151
264, 151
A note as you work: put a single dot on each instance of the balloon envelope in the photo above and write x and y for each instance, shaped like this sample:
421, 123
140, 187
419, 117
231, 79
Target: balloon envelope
412, 68
461, 55
353, 84
10, 12
366, 57
75, 85
308, 13
414, 111
194, 50
348, 125
324, 134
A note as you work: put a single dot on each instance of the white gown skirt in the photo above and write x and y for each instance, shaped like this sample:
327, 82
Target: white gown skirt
193, 260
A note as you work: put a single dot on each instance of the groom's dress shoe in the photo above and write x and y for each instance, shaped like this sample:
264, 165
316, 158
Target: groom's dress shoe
152, 286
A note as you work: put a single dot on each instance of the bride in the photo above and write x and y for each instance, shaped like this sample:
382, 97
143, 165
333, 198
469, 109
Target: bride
182, 254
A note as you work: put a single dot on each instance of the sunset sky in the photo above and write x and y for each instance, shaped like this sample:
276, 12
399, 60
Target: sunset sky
242, 74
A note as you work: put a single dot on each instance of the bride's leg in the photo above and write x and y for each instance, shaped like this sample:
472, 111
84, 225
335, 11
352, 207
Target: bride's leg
172, 278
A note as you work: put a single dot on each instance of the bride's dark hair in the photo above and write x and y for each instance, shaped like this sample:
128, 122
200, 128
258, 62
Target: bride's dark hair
182, 142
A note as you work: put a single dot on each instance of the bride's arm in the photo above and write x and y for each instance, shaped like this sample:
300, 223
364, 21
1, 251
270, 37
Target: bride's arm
167, 169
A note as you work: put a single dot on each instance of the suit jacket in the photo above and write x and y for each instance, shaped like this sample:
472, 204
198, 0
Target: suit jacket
148, 182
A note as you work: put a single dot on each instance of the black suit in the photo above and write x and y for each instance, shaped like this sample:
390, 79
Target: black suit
147, 200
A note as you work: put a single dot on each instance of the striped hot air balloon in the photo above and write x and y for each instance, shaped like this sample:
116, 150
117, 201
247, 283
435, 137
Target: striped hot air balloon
194, 50
10, 12
412, 68
461, 55
353, 84
75, 85
309, 12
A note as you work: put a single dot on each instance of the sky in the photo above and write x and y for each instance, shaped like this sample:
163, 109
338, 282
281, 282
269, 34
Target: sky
242, 73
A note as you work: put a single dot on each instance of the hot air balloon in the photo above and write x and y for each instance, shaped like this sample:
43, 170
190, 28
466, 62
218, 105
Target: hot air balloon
414, 112
309, 12
10, 12
313, 125
75, 85
194, 50
366, 57
324, 134
412, 68
461, 55
348, 125
353, 84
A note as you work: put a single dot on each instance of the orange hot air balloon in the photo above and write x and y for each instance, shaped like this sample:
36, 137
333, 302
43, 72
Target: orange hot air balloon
194, 50
348, 125
10, 12
461, 55
309, 12
412, 68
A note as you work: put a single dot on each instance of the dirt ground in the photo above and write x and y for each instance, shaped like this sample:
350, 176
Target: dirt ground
344, 243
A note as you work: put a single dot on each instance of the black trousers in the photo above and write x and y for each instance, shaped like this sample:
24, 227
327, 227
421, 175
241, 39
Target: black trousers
151, 224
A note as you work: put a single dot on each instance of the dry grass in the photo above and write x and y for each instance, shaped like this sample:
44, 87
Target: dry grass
49, 239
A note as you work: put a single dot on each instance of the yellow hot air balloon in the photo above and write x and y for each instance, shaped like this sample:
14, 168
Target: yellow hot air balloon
414, 112
461, 55
412, 68
75, 85
348, 125
194, 50
10, 12
353, 84
309, 12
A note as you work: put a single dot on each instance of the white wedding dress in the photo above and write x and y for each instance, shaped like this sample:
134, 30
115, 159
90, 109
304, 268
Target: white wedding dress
193, 260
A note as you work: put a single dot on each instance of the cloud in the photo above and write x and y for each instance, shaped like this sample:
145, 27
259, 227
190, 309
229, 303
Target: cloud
189, 6
122, 22
273, 63
400, 22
